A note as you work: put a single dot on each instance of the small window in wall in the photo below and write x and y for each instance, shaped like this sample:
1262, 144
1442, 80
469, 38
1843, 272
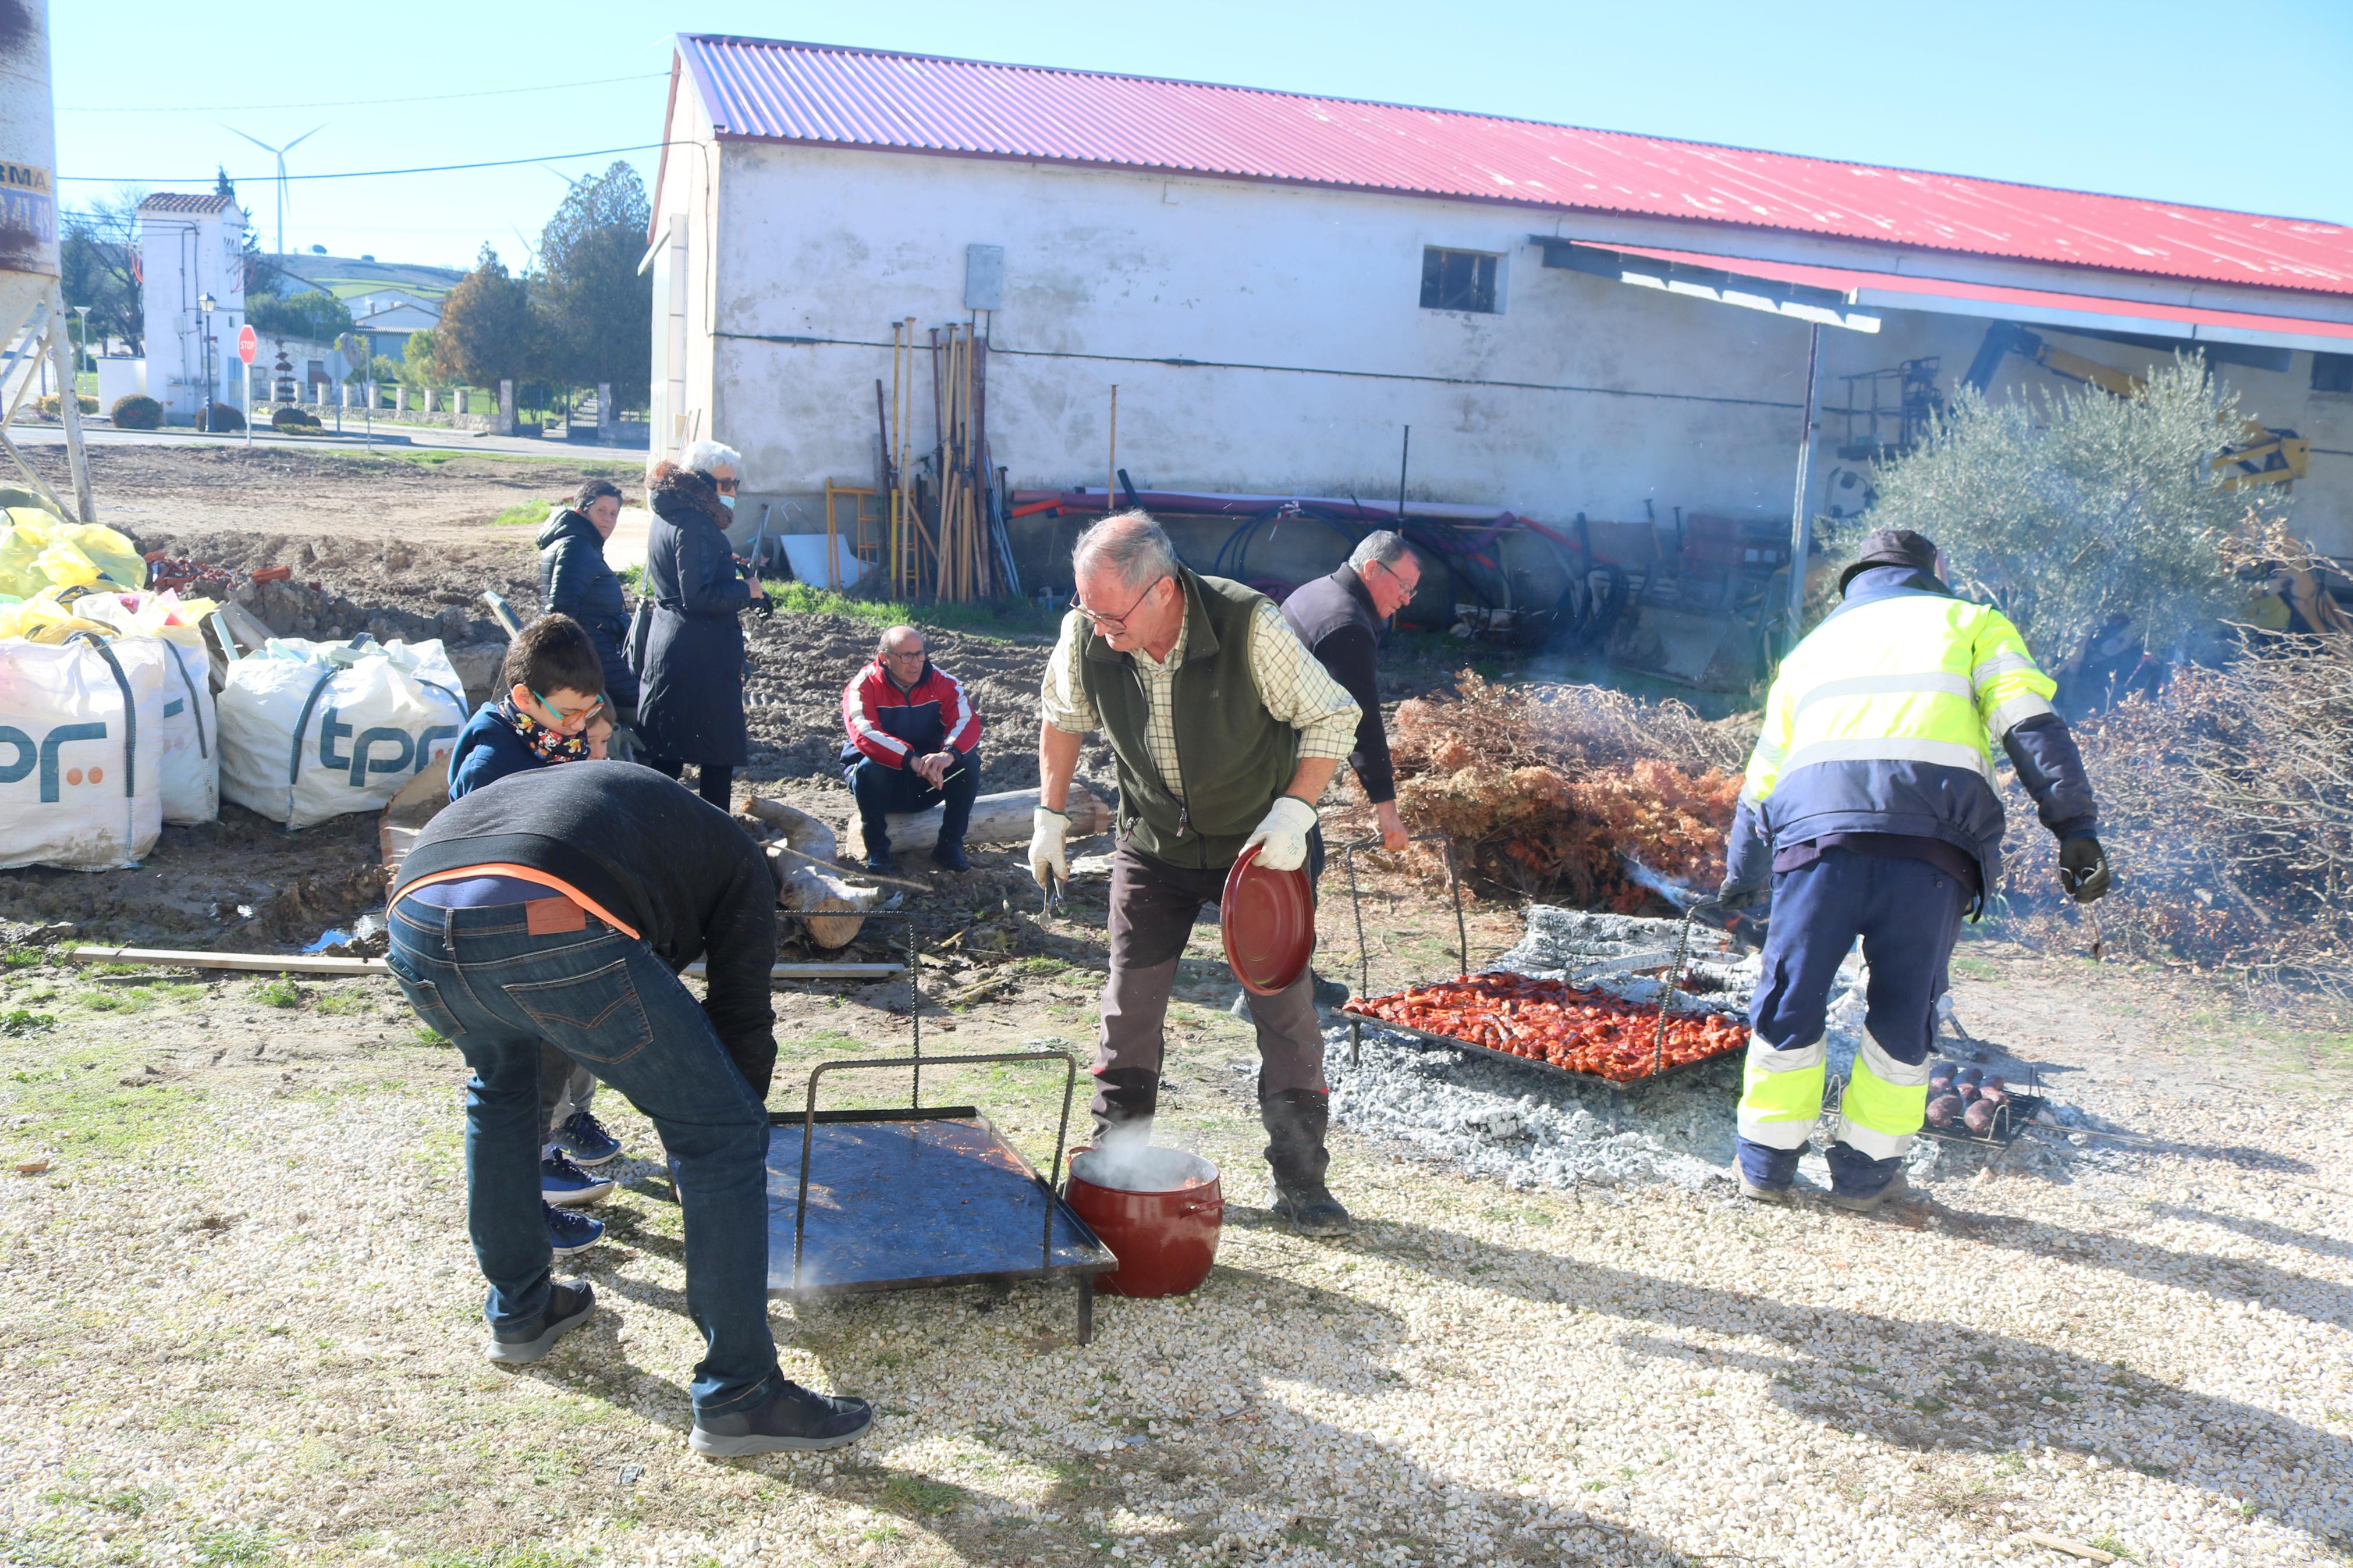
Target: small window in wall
2332, 373
1458, 280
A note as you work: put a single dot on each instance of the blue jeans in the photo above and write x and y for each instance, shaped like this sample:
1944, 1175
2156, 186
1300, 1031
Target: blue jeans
882, 789
480, 978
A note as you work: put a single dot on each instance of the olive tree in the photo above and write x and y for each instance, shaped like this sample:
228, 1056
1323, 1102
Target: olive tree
2082, 513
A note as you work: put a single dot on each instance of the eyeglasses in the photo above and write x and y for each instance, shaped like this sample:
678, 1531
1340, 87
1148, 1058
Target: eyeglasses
903, 653
563, 716
1404, 587
1117, 623
726, 487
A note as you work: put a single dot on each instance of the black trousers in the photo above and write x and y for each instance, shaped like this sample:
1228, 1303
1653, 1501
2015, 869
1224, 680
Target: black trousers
882, 790
718, 784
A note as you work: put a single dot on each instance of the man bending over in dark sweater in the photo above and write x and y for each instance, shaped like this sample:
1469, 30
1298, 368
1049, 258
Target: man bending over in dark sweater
558, 907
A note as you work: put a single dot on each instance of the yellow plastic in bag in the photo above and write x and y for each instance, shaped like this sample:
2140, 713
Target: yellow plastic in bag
42, 620
38, 551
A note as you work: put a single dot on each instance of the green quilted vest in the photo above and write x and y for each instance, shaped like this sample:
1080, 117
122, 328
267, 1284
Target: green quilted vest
1234, 755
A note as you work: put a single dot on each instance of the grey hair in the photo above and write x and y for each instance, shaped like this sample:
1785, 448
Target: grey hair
1130, 544
1380, 545
891, 634
708, 457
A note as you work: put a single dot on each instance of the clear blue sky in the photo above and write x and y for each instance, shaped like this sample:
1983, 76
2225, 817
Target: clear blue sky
2241, 106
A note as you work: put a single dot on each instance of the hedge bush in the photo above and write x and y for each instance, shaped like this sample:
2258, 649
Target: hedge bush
219, 416
54, 405
138, 412
298, 421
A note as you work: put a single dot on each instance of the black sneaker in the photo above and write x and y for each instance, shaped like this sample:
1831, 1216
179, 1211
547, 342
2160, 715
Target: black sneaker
795, 1419
569, 1302
879, 861
950, 858
1314, 1211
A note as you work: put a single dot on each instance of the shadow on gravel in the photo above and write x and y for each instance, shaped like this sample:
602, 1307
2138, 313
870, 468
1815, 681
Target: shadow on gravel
1988, 1393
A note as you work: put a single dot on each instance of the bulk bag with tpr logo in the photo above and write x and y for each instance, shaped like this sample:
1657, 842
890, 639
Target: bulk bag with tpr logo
80, 728
310, 731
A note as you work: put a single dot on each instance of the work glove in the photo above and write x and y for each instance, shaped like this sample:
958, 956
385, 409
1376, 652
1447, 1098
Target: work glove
2084, 868
1048, 863
1282, 835
1735, 896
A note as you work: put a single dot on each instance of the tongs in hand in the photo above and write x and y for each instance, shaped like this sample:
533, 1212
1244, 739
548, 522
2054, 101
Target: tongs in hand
1051, 900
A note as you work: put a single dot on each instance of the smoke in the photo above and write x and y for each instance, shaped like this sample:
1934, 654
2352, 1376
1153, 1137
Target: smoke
1126, 1160
1675, 893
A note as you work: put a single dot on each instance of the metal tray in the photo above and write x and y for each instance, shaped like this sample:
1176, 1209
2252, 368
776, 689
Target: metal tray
1679, 1070
907, 1198
2008, 1122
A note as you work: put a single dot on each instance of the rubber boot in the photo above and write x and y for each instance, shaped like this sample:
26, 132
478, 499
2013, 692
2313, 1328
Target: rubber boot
1295, 1122
1126, 1100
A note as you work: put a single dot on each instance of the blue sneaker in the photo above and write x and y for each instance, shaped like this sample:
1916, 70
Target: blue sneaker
562, 1182
570, 1233
584, 1138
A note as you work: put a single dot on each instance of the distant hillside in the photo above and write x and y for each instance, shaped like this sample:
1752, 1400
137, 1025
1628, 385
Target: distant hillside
345, 276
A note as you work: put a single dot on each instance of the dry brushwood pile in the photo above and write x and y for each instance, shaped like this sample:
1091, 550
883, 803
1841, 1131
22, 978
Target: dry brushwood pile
2226, 804
1576, 792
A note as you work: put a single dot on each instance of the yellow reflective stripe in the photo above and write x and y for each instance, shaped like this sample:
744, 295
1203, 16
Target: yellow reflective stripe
1887, 1069
2009, 713
1893, 749
1884, 1104
1780, 1094
1937, 683
2003, 663
1764, 1057
1869, 1142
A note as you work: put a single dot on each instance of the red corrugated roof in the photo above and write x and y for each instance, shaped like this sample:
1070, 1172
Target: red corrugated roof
766, 90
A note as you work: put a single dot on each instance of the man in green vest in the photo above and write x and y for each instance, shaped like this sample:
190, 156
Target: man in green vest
1225, 729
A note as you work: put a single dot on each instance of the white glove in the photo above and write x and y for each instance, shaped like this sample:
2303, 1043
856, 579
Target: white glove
1285, 834
1047, 830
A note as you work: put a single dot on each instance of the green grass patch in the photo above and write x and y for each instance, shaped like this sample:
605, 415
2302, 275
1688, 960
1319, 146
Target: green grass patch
71, 1110
22, 1021
337, 1004
278, 992
21, 958
1015, 618
221, 1548
529, 512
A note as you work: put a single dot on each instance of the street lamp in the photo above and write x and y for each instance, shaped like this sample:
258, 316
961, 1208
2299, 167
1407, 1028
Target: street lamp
83, 312
206, 303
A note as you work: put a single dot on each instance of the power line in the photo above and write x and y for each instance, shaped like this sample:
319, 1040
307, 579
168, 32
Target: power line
370, 174
348, 102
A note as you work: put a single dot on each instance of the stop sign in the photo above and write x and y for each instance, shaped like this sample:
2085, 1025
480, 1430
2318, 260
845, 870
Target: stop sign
246, 344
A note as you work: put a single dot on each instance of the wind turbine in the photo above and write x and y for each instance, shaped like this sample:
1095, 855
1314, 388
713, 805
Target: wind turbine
279, 153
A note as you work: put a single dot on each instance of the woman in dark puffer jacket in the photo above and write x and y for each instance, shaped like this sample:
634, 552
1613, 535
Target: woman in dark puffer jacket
575, 581
691, 702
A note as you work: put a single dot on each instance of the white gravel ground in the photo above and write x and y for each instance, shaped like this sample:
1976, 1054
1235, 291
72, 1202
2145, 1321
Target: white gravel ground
244, 1331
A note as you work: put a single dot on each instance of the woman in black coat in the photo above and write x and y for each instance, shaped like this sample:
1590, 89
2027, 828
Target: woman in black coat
690, 705
575, 581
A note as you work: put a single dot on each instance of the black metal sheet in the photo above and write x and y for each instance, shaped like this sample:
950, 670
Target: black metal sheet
1678, 1070
898, 1202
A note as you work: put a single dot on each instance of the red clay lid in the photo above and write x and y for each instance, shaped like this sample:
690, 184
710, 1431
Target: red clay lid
1268, 918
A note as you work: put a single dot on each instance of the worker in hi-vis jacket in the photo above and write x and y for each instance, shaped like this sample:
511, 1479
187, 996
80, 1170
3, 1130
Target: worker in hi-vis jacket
1869, 808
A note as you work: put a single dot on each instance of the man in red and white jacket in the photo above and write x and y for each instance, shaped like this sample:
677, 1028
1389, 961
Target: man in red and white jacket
914, 740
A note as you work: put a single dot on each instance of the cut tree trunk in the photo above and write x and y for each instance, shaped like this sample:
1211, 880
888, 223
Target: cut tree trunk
802, 884
996, 819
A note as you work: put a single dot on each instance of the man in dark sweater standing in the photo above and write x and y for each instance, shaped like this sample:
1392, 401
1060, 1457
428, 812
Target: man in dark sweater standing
1339, 618
559, 907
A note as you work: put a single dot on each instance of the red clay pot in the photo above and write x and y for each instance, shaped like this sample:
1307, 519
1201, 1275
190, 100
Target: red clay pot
1165, 1239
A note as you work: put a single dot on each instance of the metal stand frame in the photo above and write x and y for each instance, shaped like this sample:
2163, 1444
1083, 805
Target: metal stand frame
1082, 1273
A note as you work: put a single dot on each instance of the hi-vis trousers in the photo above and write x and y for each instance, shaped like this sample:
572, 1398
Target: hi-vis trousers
1909, 913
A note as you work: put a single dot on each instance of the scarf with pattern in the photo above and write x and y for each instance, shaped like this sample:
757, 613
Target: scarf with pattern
548, 745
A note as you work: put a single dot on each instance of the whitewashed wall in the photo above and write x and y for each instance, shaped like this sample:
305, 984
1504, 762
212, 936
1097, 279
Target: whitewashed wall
1581, 395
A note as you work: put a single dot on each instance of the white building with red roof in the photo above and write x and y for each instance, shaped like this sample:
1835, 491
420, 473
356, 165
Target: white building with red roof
1278, 284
